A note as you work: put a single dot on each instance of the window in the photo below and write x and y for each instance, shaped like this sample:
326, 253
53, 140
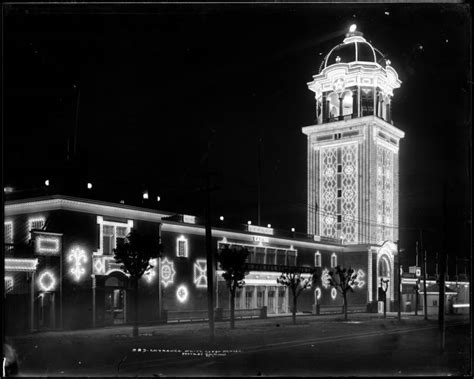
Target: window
260, 256
113, 235
35, 223
317, 259
8, 231
291, 258
347, 103
367, 101
260, 297
339, 218
271, 255
182, 247
333, 260
339, 193
339, 168
249, 297
280, 258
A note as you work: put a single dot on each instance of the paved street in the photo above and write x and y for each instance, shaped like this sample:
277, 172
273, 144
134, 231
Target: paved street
316, 346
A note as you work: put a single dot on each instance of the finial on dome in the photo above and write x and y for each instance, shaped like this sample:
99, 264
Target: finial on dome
338, 59
353, 31
387, 62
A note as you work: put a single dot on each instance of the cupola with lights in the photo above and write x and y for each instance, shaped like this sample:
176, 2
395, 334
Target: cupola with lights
354, 80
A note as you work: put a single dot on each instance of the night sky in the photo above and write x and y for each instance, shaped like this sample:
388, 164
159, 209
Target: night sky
157, 84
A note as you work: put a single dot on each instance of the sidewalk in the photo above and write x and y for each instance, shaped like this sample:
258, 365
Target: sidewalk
175, 329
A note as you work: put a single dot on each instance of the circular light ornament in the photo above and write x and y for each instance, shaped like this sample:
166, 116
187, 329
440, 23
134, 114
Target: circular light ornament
318, 293
352, 28
333, 293
182, 294
46, 281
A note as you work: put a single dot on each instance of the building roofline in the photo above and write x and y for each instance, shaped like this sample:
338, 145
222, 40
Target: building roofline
98, 207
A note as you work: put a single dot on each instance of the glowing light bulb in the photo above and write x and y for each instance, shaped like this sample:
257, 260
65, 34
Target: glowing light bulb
46, 182
269, 225
145, 195
249, 222
89, 185
221, 218
352, 28
158, 198
292, 229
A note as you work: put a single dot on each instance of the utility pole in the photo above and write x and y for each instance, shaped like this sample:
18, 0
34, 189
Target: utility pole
259, 180
424, 288
442, 274
417, 287
209, 260
399, 283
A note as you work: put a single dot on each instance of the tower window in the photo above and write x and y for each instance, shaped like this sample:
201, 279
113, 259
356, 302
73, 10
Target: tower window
339, 193
339, 218
337, 136
333, 260
339, 168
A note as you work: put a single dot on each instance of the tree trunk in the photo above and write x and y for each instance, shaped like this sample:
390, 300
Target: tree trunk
294, 308
232, 309
135, 310
345, 307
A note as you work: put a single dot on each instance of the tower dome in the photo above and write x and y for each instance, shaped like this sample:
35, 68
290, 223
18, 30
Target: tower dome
354, 48
354, 80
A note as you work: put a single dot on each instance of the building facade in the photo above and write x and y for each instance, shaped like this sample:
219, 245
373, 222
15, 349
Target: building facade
60, 270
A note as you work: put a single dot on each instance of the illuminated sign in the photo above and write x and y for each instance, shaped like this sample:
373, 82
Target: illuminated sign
200, 272
47, 244
23, 265
46, 281
182, 293
259, 229
260, 239
78, 257
325, 277
189, 219
333, 293
167, 272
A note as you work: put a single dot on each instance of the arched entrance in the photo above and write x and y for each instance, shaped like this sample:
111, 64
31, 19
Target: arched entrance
385, 271
115, 298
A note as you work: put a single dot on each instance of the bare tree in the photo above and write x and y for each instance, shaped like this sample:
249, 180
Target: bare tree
135, 255
297, 283
234, 264
343, 280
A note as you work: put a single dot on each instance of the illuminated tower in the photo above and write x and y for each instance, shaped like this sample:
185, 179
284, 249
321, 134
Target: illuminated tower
353, 147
